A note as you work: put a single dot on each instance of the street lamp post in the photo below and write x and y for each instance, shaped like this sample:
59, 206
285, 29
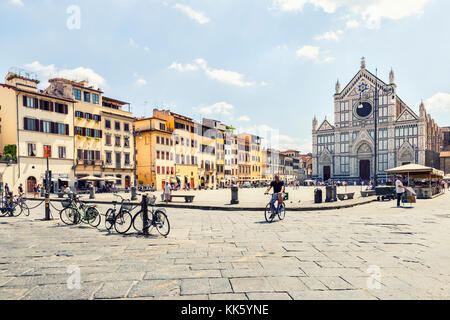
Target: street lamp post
134, 188
375, 121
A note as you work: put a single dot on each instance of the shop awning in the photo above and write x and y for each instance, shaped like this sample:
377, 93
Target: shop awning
417, 171
91, 178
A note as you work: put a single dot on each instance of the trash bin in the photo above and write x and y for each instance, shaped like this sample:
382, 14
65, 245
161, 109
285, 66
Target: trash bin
329, 194
234, 195
317, 195
92, 193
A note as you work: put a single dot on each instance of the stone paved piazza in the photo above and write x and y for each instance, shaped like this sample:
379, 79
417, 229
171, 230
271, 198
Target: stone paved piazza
374, 251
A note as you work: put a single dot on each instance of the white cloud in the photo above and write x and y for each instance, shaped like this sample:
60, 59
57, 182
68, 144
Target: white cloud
141, 82
244, 119
17, 2
308, 52
146, 49
439, 102
313, 53
219, 108
133, 43
328, 6
183, 68
191, 13
78, 74
271, 138
352, 24
371, 12
330, 35
224, 76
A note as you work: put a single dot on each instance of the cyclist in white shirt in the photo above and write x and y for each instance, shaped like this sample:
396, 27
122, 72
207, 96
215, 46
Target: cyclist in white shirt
400, 189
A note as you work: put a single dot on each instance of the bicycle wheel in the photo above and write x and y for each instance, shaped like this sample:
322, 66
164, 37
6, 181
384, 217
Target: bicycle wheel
123, 222
25, 209
162, 223
109, 219
16, 209
69, 216
268, 213
138, 222
93, 217
282, 211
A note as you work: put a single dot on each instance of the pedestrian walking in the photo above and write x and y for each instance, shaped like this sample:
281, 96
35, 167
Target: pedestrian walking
167, 192
6, 189
20, 190
400, 190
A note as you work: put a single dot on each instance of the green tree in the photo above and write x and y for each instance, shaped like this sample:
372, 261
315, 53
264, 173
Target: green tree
10, 152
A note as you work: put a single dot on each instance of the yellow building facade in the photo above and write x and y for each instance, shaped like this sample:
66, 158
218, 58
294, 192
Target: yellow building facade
103, 134
33, 120
155, 163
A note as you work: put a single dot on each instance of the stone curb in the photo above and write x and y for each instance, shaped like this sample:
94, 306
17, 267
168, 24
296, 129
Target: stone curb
226, 207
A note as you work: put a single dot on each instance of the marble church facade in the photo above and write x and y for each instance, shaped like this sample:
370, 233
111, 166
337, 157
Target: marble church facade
345, 150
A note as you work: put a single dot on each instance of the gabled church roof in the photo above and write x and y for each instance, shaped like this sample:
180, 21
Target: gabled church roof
363, 72
407, 115
325, 126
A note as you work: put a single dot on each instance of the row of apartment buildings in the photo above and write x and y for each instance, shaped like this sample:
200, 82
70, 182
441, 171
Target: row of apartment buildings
90, 135
87, 133
177, 149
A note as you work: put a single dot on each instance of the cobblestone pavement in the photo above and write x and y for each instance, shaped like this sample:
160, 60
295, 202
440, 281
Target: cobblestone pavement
375, 251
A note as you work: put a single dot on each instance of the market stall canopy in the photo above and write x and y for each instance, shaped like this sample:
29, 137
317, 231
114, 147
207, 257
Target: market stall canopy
417, 171
91, 178
447, 177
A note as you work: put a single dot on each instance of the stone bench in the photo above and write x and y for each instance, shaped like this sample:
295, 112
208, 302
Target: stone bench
345, 196
367, 193
187, 199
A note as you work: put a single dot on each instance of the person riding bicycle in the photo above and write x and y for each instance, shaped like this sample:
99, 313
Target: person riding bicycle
278, 191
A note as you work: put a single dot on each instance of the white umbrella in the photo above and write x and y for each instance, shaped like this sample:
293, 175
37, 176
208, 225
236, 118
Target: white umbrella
91, 178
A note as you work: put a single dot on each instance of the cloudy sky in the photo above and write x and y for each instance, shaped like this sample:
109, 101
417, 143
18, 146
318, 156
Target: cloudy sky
259, 65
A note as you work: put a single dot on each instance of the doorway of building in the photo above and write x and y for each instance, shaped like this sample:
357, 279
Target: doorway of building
364, 170
31, 181
127, 181
326, 173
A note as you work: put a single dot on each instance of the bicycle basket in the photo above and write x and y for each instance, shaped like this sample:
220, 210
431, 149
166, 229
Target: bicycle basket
66, 203
128, 206
151, 200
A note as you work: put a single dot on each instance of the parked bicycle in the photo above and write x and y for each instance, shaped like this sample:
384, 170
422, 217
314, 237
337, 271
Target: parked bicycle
21, 204
13, 206
122, 219
76, 212
156, 218
8, 206
271, 210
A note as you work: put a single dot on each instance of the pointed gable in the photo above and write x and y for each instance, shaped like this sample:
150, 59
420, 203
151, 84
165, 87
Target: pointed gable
407, 115
363, 75
325, 126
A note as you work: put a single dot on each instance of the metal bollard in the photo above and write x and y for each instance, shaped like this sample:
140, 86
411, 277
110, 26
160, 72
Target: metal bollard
144, 206
234, 195
133, 193
92, 193
47, 207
